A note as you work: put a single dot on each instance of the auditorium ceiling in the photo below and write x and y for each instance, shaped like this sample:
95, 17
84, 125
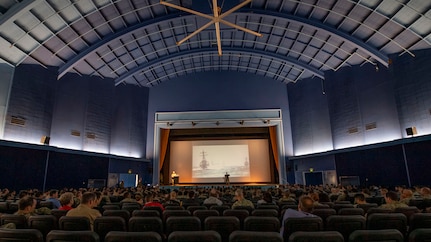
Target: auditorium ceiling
134, 42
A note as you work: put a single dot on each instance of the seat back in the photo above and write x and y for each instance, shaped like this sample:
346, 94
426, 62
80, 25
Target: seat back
420, 220
420, 235
121, 236
384, 235
387, 221
254, 236
378, 210
182, 223
219, 208
58, 213
260, 223
111, 207
105, 224
241, 214
72, 236
21, 235
203, 214
324, 213
4, 207
194, 236
171, 213
145, 213
193, 208
351, 211
345, 224
159, 209
19, 220
338, 206
367, 206
265, 212
46, 204
321, 236
146, 224
174, 207
43, 223
292, 225
224, 225
250, 209
408, 211
130, 207
118, 213
74, 223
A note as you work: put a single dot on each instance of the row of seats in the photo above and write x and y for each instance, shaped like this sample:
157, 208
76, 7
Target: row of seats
344, 224
33, 235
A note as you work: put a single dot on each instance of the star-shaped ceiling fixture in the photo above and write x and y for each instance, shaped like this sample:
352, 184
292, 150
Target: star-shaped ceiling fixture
216, 19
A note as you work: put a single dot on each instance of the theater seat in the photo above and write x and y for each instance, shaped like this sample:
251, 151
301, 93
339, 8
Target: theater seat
384, 235
74, 223
72, 236
224, 225
21, 235
194, 236
420, 235
321, 236
292, 225
253, 236
121, 236
260, 223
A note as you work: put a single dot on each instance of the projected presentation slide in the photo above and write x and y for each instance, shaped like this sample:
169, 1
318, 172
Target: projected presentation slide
207, 161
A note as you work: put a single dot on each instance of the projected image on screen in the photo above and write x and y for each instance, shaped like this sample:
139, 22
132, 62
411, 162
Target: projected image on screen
210, 161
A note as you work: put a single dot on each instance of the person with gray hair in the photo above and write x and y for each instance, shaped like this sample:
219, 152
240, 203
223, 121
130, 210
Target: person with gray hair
213, 198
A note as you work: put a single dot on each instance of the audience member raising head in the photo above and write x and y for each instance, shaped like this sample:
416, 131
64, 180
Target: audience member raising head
305, 208
66, 201
241, 200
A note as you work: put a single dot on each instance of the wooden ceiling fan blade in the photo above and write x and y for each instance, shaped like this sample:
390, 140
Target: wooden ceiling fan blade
235, 8
186, 10
240, 28
195, 32
218, 35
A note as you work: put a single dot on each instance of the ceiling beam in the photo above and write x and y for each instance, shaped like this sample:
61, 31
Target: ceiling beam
281, 58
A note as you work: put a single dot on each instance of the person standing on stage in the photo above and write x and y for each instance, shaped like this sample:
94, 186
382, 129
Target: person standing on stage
226, 179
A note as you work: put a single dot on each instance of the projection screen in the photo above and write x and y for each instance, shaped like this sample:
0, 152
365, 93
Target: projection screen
207, 161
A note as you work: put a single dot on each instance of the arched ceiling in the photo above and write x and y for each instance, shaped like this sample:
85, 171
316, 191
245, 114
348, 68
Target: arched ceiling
134, 41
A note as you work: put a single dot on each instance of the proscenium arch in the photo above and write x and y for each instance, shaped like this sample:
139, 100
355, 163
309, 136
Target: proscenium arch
374, 53
280, 58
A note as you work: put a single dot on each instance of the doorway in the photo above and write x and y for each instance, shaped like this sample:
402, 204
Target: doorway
313, 178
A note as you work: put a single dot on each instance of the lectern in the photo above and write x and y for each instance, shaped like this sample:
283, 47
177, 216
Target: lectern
175, 180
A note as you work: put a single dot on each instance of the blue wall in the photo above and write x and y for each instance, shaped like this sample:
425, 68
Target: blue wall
210, 91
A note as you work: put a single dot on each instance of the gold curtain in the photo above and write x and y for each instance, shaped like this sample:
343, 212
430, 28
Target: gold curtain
164, 138
273, 139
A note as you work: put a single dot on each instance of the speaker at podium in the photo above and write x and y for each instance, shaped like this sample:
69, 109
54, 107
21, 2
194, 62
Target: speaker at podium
175, 178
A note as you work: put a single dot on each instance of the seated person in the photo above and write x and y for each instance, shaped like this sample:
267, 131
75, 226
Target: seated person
213, 198
85, 208
266, 199
359, 198
392, 201
151, 202
53, 198
305, 209
66, 201
241, 200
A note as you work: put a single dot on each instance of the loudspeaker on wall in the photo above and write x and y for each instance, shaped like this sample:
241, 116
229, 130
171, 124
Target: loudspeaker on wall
411, 131
45, 140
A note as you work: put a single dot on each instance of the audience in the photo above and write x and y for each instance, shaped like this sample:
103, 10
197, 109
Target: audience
53, 198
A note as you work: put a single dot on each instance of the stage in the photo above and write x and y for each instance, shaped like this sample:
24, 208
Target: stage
263, 186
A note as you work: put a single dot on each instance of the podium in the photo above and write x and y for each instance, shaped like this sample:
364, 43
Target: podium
175, 180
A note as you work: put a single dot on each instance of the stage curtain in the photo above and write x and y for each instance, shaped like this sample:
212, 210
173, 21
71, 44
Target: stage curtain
164, 138
273, 138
